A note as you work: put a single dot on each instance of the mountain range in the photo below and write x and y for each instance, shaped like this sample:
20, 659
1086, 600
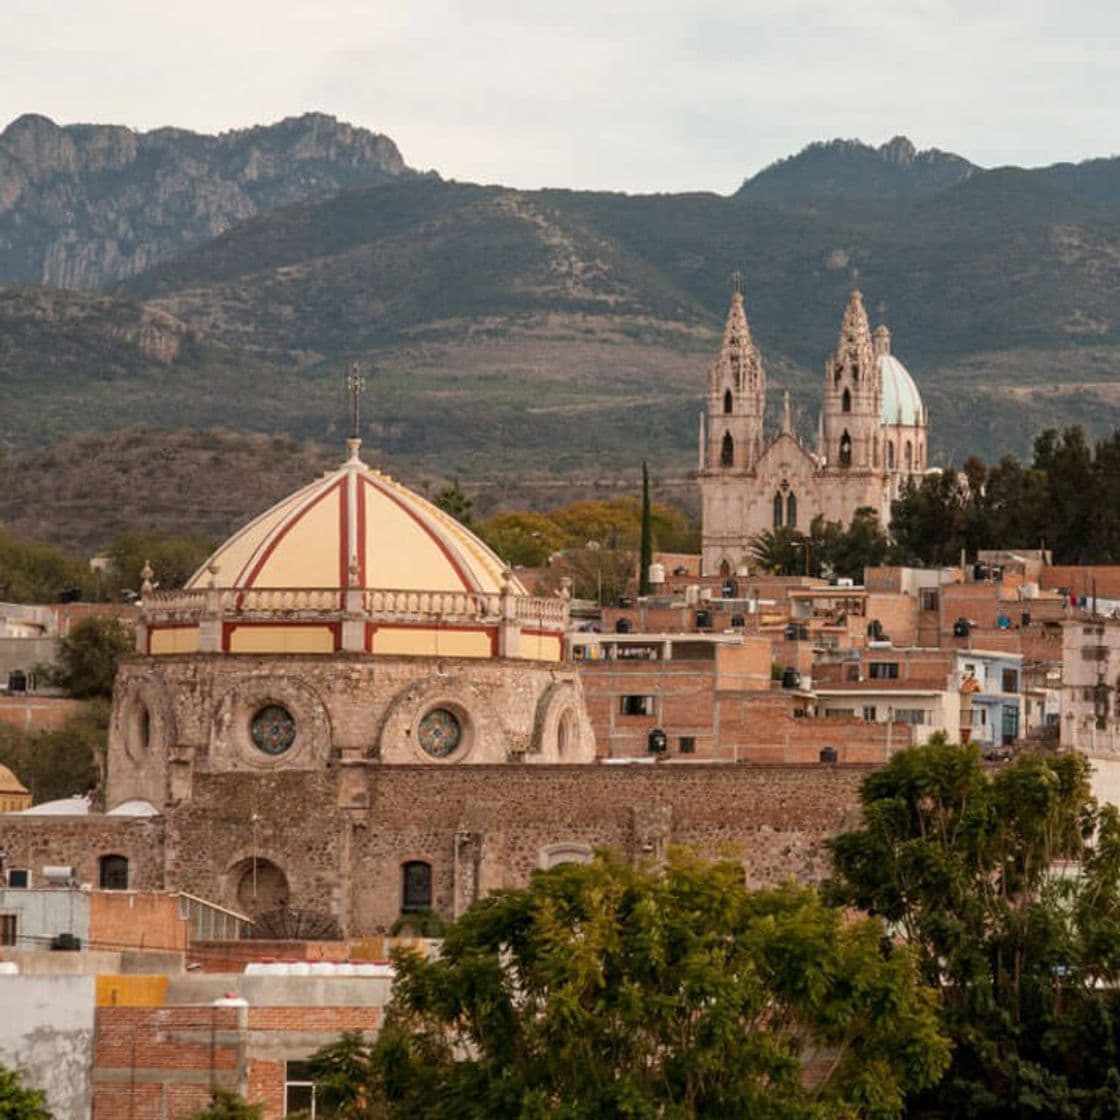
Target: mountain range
533, 344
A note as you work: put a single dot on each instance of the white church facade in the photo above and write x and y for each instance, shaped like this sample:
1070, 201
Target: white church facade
871, 438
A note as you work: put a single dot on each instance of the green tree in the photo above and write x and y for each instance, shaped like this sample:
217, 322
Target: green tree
846, 552
63, 762
174, 558
454, 501
18, 1102
88, 655
523, 539
971, 868
36, 573
605, 990
341, 1072
645, 549
225, 1105
780, 551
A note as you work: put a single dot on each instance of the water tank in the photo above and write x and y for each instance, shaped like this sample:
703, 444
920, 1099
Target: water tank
656, 574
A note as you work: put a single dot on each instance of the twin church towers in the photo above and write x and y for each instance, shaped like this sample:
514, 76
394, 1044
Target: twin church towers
871, 437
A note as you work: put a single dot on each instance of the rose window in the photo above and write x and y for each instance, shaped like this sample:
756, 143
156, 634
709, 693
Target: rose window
440, 732
273, 729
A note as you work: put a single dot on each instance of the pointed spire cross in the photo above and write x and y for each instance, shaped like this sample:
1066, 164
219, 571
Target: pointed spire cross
737, 280
355, 385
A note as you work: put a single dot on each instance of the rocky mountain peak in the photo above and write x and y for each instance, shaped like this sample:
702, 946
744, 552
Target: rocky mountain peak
62, 223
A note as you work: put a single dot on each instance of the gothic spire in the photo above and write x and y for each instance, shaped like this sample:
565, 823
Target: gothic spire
787, 427
738, 362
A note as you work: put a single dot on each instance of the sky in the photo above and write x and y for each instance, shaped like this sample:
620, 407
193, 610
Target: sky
662, 95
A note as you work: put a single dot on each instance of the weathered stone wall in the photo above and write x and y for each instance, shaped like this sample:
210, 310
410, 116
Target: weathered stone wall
178, 717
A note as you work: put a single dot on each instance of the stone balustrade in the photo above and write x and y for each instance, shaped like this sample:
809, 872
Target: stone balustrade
367, 603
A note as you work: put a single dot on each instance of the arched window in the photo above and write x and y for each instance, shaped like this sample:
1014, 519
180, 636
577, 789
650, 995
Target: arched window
791, 511
416, 885
845, 450
909, 455
890, 454
725, 570
726, 400
727, 451
846, 401
260, 886
777, 511
113, 873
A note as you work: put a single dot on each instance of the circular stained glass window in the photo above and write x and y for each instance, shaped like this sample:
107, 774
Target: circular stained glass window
440, 732
273, 729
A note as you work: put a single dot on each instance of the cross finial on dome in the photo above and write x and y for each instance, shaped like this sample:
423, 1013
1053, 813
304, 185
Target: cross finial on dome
737, 280
355, 384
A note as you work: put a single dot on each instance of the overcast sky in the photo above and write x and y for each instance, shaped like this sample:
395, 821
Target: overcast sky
659, 95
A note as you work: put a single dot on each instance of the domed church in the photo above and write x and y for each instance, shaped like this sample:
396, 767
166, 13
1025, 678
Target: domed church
351, 627
871, 438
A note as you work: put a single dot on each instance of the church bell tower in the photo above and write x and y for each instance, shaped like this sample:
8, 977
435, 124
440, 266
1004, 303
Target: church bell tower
736, 399
853, 396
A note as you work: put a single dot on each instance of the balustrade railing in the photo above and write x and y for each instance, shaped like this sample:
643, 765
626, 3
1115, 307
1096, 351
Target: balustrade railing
163, 606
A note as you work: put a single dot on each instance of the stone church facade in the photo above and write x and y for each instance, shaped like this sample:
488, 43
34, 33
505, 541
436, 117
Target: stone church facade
871, 438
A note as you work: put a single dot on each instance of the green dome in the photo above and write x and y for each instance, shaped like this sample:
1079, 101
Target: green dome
902, 403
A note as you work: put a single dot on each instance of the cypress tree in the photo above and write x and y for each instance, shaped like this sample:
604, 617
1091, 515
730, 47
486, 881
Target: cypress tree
646, 550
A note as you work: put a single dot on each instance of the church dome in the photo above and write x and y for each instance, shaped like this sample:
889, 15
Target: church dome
902, 403
354, 516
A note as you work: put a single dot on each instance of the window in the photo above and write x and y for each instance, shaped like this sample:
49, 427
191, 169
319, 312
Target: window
727, 451
636, 706
1010, 680
909, 455
113, 873
9, 929
19, 878
416, 885
846, 401
853, 673
869, 713
890, 454
299, 1090
791, 511
929, 599
913, 716
777, 511
687, 744
727, 400
845, 450
883, 670
1009, 724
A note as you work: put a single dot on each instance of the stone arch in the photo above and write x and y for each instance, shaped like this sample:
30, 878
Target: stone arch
909, 455
561, 730
112, 872
727, 451
845, 449
791, 510
232, 746
417, 885
890, 454
399, 738
846, 401
728, 403
725, 569
257, 885
143, 717
778, 510
567, 851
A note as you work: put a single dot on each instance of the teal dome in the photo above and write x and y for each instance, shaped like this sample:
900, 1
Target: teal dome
902, 403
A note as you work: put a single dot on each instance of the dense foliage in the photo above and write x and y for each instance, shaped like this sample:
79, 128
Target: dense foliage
605, 990
62, 762
17, 1102
88, 655
173, 557
225, 1105
1065, 500
971, 869
35, 573
827, 549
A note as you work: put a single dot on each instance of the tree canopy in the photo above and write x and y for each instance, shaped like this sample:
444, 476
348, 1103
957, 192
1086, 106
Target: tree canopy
88, 655
17, 1102
972, 868
605, 990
